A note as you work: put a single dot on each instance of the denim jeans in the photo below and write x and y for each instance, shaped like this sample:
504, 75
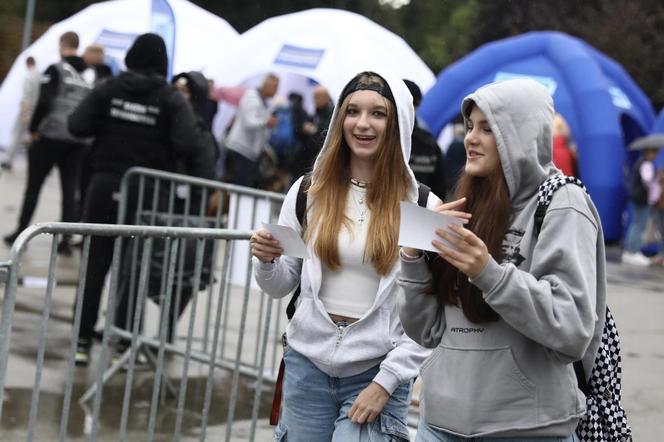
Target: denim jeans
315, 406
658, 218
636, 227
425, 433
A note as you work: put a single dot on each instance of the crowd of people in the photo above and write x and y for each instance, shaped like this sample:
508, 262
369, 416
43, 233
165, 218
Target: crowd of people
498, 292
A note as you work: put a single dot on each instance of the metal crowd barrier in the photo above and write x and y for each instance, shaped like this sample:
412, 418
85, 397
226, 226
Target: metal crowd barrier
174, 397
154, 197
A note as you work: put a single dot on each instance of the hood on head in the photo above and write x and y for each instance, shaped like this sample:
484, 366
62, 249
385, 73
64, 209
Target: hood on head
198, 87
148, 54
520, 113
405, 111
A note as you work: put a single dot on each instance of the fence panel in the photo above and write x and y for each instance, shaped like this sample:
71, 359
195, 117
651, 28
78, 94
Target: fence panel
140, 385
154, 197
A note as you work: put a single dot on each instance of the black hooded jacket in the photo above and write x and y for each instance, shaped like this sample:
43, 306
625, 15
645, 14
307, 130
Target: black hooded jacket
199, 90
137, 119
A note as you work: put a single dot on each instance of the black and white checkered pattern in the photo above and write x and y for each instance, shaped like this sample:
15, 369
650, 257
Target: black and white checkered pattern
546, 189
605, 419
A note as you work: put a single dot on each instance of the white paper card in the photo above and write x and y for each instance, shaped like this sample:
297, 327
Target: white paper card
418, 226
290, 240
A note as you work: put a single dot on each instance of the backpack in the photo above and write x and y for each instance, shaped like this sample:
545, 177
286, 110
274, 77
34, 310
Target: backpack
636, 189
605, 419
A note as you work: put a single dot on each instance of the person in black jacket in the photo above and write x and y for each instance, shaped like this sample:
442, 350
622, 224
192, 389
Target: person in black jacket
64, 84
94, 57
426, 158
194, 87
137, 119
314, 131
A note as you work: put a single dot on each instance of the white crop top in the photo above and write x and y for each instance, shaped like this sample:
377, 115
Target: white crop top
351, 291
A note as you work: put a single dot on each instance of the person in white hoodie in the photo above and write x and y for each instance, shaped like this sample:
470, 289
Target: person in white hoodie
505, 308
349, 366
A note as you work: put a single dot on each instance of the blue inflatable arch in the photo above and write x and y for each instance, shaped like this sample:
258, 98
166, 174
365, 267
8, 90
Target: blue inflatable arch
603, 106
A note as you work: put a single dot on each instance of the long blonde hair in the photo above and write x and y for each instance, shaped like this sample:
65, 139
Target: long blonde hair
331, 181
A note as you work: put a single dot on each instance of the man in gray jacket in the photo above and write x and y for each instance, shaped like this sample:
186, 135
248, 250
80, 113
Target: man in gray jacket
250, 132
20, 134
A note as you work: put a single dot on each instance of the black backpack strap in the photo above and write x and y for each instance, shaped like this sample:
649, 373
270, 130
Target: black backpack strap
422, 194
301, 201
581, 378
300, 209
545, 195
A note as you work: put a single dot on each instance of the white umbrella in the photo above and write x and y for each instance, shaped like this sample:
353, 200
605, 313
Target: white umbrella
329, 46
199, 35
653, 141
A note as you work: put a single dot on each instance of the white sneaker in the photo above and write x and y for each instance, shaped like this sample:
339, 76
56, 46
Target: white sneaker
635, 259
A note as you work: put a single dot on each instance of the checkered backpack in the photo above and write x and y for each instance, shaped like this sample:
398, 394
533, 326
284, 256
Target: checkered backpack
605, 419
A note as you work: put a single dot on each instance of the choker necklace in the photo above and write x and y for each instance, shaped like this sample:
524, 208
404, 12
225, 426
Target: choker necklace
359, 183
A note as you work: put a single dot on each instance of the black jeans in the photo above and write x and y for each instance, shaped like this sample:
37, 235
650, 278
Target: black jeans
243, 171
42, 156
100, 207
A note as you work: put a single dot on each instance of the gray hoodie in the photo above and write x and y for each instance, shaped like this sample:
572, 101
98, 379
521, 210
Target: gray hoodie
377, 337
514, 377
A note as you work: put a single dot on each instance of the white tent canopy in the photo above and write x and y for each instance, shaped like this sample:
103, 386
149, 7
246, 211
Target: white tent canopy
328, 46
199, 35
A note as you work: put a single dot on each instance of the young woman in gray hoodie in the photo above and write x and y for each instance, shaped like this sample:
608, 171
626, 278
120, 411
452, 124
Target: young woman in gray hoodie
349, 364
507, 310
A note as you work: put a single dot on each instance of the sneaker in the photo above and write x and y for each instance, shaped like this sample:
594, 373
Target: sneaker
82, 356
635, 259
119, 349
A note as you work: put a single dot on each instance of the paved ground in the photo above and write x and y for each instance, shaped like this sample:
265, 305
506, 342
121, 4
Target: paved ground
636, 297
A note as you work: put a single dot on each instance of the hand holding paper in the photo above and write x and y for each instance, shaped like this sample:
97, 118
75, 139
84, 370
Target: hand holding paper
290, 240
418, 227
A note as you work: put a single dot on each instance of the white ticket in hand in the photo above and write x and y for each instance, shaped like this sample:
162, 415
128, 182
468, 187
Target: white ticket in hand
418, 227
290, 241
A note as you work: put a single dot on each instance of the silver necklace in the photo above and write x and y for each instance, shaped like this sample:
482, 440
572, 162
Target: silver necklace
358, 183
359, 203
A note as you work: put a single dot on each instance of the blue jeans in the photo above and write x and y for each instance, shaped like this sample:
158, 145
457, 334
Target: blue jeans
425, 433
315, 406
636, 227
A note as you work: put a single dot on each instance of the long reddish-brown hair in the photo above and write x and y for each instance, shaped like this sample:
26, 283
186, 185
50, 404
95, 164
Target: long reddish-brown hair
329, 190
488, 199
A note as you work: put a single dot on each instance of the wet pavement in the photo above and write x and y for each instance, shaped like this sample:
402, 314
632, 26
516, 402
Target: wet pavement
636, 297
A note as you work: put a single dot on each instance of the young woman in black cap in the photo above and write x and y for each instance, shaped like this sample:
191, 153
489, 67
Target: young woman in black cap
349, 365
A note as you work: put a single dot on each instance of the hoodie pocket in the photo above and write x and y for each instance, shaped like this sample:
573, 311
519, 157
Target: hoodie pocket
475, 391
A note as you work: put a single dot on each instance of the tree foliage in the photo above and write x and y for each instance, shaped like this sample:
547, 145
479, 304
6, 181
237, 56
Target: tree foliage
442, 31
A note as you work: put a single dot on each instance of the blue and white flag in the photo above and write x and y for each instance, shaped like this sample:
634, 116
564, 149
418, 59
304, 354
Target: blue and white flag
162, 22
